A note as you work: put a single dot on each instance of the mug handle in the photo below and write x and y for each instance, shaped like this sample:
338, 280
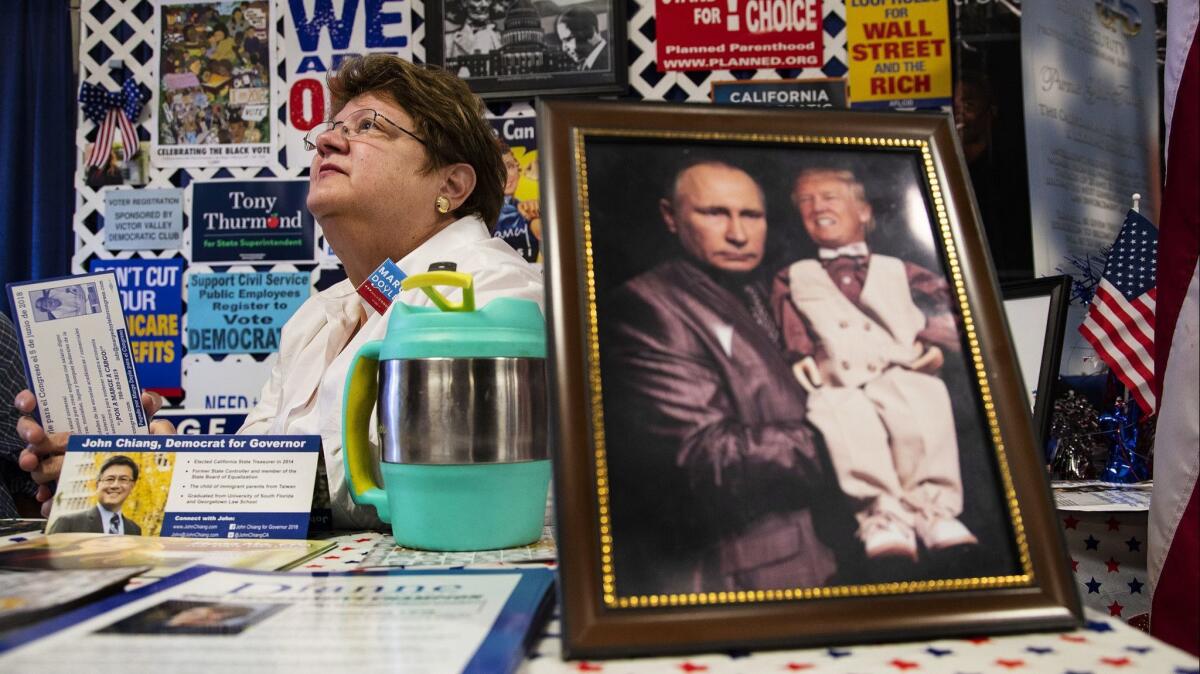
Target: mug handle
362, 385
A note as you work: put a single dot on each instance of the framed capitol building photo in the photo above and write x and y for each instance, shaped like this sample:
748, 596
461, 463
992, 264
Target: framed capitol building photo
519, 48
785, 407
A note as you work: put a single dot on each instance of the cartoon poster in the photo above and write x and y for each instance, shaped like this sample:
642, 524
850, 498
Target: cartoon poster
318, 34
520, 222
213, 102
251, 221
152, 296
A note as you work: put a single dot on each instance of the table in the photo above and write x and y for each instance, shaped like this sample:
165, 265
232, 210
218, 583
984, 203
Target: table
1104, 644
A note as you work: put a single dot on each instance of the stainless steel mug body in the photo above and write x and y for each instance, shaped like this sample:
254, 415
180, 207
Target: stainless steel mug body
462, 410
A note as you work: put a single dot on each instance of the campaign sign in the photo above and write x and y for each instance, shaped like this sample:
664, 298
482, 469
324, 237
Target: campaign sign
203, 422
232, 383
738, 34
815, 93
152, 296
242, 313
318, 35
899, 53
194, 486
143, 219
251, 221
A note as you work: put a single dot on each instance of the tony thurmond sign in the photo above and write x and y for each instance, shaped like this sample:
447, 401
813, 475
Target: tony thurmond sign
251, 221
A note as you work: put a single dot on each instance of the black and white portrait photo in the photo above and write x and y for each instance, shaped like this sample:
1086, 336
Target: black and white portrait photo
516, 47
67, 301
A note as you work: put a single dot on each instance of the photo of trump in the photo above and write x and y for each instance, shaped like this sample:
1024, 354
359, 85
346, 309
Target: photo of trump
786, 403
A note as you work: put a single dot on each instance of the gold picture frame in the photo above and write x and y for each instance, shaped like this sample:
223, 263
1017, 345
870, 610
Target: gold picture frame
698, 506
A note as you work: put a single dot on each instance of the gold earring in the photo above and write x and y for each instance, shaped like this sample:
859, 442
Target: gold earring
442, 204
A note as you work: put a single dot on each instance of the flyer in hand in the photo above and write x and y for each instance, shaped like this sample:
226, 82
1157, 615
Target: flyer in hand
77, 358
206, 619
191, 486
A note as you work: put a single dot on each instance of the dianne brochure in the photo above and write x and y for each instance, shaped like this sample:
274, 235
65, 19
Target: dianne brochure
204, 620
194, 486
163, 555
77, 358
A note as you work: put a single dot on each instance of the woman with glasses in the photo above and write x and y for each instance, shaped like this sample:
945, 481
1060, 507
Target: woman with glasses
407, 170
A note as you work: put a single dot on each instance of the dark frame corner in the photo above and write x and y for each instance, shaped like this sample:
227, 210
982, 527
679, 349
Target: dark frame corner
1058, 290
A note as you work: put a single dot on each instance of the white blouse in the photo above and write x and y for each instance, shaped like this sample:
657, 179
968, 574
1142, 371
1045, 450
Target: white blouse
304, 393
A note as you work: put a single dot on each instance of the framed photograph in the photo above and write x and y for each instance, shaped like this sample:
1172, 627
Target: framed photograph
518, 48
785, 409
1037, 316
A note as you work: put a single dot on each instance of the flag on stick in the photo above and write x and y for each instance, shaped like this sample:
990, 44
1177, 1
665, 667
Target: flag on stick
1120, 320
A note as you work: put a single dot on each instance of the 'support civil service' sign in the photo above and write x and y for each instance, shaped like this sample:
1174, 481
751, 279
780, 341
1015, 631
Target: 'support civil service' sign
729, 34
242, 313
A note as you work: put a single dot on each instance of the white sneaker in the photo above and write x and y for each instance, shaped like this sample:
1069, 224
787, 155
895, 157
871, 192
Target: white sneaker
885, 536
942, 531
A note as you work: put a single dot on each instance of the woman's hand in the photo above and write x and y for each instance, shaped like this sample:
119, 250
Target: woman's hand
43, 454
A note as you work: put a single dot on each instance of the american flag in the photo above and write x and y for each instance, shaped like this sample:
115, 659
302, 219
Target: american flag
1120, 320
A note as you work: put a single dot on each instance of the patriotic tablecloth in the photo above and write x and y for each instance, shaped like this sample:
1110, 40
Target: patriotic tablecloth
1108, 557
1102, 646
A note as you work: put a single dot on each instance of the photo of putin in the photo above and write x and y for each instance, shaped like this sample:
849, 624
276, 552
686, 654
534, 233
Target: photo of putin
785, 398
118, 475
707, 408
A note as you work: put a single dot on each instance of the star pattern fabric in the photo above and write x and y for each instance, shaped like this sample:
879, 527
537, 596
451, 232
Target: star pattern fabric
1106, 645
1108, 560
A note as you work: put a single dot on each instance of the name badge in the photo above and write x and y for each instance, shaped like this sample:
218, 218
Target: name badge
382, 286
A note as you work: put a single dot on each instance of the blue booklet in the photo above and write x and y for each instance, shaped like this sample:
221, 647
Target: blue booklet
458, 620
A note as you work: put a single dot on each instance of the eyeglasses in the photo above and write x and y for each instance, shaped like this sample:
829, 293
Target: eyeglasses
356, 123
116, 479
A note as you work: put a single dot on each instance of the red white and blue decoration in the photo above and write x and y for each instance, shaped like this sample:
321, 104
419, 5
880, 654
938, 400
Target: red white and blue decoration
1120, 320
112, 111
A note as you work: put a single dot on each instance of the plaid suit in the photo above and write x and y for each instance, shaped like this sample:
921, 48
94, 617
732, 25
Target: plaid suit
13, 480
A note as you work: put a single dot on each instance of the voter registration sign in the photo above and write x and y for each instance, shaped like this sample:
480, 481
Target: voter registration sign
738, 34
899, 53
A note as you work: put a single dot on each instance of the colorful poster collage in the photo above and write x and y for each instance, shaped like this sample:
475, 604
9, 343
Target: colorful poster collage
214, 88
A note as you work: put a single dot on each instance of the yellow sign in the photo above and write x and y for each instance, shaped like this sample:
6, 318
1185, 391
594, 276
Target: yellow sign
899, 53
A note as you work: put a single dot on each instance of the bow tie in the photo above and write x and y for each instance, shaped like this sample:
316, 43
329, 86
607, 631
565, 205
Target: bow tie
857, 249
